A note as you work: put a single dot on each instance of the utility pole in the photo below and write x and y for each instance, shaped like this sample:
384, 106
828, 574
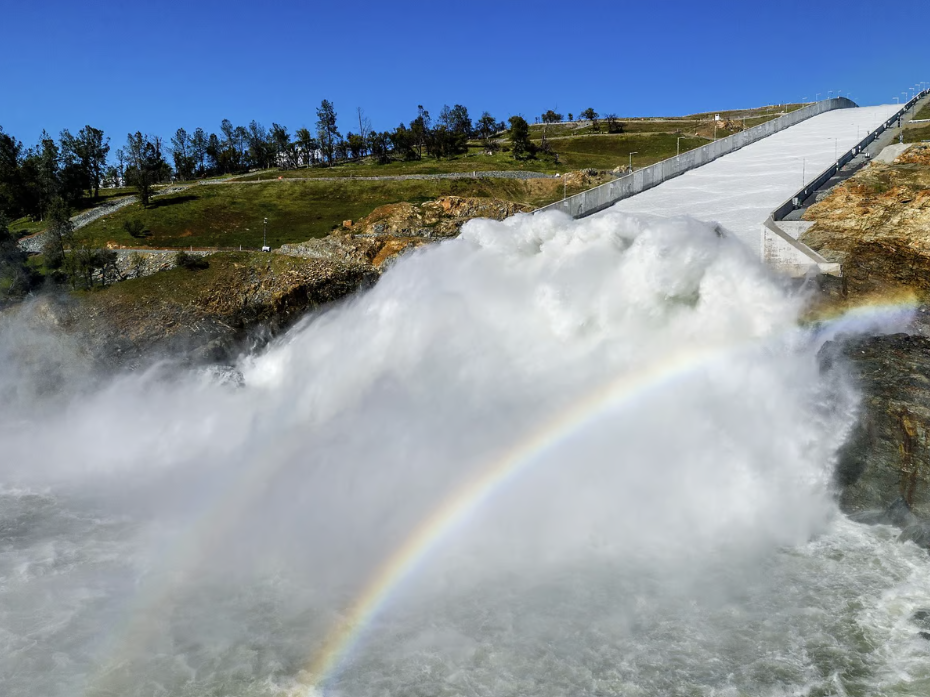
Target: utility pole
679, 146
265, 235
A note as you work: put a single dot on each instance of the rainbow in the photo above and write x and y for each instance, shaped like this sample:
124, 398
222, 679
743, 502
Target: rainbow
457, 508
454, 510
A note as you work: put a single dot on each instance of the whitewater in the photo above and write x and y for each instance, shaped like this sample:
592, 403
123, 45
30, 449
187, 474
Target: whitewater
547, 457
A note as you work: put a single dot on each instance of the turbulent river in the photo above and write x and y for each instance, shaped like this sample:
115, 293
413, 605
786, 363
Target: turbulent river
548, 457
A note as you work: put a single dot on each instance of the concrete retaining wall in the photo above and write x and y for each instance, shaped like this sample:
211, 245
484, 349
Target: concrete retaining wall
780, 247
605, 195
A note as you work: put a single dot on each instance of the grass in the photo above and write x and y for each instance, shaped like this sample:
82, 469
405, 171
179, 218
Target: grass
916, 134
923, 113
230, 215
26, 226
183, 286
563, 136
475, 160
607, 152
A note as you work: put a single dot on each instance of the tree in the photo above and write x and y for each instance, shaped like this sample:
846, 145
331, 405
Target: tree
121, 165
181, 150
613, 124
95, 150
214, 152
58, 235
520, 143
403, 142
420, 129
86, 155
11, 181
260, 145
450, 137
198, 150
379, 145
356, 145
326, 130
282, 146
48, 183
364, 124
145, 164
571, 116
591, 116
486, 128
16, 278
548, 118
307, 144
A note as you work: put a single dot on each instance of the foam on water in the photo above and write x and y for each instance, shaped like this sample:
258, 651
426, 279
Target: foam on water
177, 533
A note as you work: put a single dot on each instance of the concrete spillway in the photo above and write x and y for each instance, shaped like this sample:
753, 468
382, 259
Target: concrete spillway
741, 189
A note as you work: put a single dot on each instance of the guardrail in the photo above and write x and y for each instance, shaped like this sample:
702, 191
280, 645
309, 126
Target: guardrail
782, 250
822, 178
605, 195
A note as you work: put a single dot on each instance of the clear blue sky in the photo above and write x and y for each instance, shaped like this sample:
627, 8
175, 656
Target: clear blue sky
155, 66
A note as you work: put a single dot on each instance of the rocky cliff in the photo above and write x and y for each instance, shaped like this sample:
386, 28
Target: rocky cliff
206, 315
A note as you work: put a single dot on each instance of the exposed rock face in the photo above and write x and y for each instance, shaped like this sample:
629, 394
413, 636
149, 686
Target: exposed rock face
200, 316
877, 225
354, 249
887, 457
443, 217
396, 228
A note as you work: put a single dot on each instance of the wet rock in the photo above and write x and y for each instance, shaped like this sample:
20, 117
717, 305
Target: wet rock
921, 618
897, 514
919, 534
886, 457
202, 317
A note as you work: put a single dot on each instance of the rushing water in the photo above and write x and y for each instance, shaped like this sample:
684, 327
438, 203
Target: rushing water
666, 527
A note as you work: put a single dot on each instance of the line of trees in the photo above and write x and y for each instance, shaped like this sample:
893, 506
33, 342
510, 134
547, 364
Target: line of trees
32, 178
78, 165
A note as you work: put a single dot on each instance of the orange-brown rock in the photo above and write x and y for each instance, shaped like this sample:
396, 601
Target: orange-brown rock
877, 225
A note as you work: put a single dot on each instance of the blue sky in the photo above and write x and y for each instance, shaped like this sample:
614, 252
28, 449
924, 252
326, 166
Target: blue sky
155, 66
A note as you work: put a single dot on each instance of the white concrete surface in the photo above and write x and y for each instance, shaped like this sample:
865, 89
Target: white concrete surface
890, 153
741, 189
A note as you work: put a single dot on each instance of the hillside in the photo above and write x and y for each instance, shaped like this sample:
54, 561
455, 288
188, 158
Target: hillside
230, 215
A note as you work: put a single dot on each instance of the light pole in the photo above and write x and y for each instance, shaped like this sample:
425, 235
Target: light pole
631, 159
679, 146
829, 94
265, 234
818, 97
897, 100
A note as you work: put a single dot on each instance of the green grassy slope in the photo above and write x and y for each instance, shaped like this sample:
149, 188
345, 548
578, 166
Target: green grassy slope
229, 215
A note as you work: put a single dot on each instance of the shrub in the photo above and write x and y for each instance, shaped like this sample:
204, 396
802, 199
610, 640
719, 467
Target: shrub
191, 262
136, 228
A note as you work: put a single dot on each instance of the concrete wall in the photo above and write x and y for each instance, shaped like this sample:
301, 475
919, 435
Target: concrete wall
780, 247
605, 195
